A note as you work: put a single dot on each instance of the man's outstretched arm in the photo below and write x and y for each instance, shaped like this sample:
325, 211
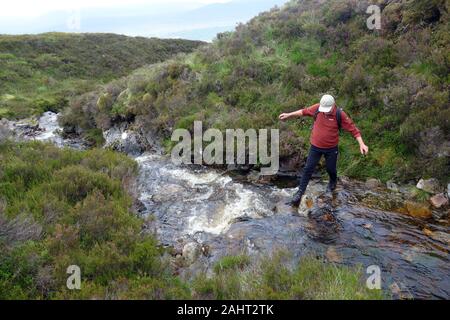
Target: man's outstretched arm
307, 112
295, 114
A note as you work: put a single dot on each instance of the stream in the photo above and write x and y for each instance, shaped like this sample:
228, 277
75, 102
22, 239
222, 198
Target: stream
209, 213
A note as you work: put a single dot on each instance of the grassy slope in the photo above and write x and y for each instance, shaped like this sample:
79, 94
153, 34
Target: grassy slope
61, 207
392, 82
42, 72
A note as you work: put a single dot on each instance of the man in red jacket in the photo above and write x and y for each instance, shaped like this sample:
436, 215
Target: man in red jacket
324, 140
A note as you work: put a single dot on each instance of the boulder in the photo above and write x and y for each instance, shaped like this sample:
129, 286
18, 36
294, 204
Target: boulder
306, 205
372, 183
392, 186
123, 140
256, 177
439, 200
418, 210
429, 185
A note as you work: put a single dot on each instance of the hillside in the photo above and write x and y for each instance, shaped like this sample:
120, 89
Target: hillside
41, 72
393, 82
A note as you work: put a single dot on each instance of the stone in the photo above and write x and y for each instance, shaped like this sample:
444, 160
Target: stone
418, 210
373, 183
168, 193
428, 185
448, 190
367, 226
427, 232
439, 200
191, 251
123, 140
392, 186
333, 255
305, 205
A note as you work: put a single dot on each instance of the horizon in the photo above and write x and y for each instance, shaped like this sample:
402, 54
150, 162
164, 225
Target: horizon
172, 19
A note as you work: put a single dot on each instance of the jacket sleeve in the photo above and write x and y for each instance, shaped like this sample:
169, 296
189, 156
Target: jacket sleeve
348, 125
310, 111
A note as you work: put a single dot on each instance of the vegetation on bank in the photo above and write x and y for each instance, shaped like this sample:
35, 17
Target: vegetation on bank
64, 207
61, 207
235, 277
393, 82
43, 72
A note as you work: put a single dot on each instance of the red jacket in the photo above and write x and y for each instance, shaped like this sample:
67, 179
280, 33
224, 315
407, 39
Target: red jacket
325, 132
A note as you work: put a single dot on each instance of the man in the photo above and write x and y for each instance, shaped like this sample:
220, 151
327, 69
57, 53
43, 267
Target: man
328, 119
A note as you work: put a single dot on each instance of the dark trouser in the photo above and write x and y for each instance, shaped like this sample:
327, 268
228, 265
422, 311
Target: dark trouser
314, 156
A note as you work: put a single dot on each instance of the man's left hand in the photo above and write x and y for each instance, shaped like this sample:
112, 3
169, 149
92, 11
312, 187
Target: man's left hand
364, 149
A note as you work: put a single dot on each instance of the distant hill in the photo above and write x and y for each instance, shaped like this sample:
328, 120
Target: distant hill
185, 20
39, 72
393, 82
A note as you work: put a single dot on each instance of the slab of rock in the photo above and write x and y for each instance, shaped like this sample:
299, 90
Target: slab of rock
392, 186
418, 210
373, 183
428, 185
439, 200
121, 139
332, 255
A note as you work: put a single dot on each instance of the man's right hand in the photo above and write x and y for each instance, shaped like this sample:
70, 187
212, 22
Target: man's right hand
284, 116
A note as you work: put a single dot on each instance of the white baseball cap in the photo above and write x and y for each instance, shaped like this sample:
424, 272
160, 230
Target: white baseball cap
326, 103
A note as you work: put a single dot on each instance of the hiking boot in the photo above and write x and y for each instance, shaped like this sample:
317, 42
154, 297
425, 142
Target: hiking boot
331, 186
296, 199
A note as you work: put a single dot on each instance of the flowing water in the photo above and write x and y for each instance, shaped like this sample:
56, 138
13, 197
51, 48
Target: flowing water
225, 215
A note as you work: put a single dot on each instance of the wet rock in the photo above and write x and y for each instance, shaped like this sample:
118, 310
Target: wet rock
372, 183
392, 186
256, 177
367, 226
191, 251
418, 210
124, 140
168, 192
399, 293
332, 255
306, 205
240, 219
443, 237
439, 200
23, 129
344, 180
138, 206
428, 185
206, 250
5, 131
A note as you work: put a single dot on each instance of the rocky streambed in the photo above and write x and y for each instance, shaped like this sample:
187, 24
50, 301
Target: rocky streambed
203, 214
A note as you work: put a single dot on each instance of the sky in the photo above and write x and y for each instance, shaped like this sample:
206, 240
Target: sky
33, 8
189, 19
